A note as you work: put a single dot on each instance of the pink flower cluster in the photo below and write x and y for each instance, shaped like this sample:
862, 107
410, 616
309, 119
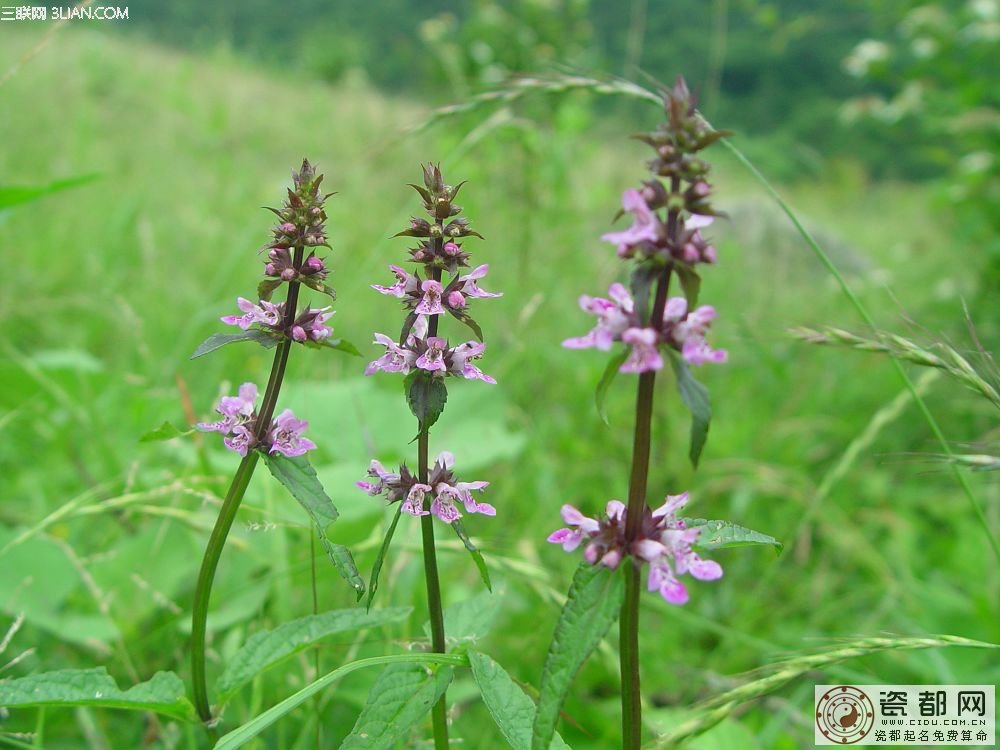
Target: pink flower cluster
664, 542
679, 329
430, 297
239, 427
648, 236
310, 325
432, 354
447, 492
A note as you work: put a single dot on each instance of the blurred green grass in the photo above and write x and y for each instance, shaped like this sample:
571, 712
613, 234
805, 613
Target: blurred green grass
111, 285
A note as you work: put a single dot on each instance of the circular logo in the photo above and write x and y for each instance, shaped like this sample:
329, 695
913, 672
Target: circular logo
845, 715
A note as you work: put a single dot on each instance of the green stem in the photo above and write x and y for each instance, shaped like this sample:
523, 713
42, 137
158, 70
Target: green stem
231, 504
628, 648
439, 714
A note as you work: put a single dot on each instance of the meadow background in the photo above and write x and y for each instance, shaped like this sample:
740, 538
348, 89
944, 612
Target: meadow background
877, 120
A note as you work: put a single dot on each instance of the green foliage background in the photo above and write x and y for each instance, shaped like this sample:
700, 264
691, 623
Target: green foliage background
190, 116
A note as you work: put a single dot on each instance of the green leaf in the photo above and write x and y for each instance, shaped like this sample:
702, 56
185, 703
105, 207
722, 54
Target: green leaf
163, 694
318, 286
426, 396
12, 196
219, 340
695, 397
723, 535
383, 551
471, 619
642, 281
594, 598
243, 734
401, 696
511, 709
165, 431
690, 283
270, 647
477, 556
299, 478
339, 344
610, 372
266, 288
465, 319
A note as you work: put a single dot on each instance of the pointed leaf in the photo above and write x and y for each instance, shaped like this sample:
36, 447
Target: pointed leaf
218, 340
401, 696
165, 431
317, 285
340, 345
299, 478
12, 196
270, 647
595, 596
723, 534
690, 283
407, 327
477, 556
511, 709
695, 397
464, 318
164, 693
266, 288
469, 620
426, 396
607, 378
643, 278
383, 551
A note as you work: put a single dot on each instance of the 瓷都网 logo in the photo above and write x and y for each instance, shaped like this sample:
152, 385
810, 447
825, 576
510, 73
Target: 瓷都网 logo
845, 715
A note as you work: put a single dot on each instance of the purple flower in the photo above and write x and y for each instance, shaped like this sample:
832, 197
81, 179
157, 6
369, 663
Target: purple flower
432, 359
665, 543
310, 325
461, 363
687, 331
266, 313
442, 485
470, 288
406, 283
414, 502
644, 355
239, 426
395, 359
241, 439
614, 316
377, 471
235, 410
286, 437
645, 227
430, 303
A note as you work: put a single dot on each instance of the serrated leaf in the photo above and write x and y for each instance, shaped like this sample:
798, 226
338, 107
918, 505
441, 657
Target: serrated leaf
401, 696
218, 340
165, 431
426, 396
380, 558
593, 602
607, 378
690, 283
511, 709
477, 556
270, 647
266, 288
299, 478
163, 694
695, 397
12, 196
723, 535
